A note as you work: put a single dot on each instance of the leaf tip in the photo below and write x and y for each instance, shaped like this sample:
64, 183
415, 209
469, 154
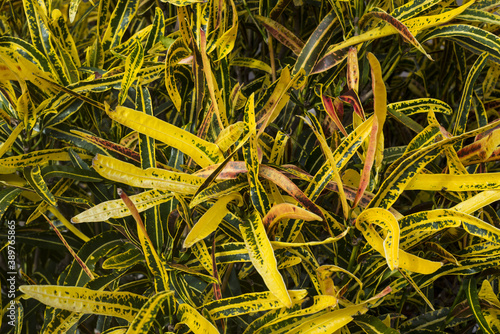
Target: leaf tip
26, 289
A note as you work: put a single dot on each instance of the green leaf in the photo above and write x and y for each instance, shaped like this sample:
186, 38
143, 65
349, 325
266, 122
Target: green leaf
7, 197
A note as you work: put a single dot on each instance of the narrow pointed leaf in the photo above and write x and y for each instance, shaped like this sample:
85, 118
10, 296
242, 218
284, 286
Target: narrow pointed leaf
282, 34
117, 209
203, 152
120, 18
315, 43
123, 305
262, 257
210, 220
146, 316
35, 179
195, 321
132, 66
119, 171
287, 211
248, 303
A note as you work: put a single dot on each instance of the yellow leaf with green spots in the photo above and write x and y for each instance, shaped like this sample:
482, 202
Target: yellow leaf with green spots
156, 178
211, 219
262, 257
203, 152
197, 323
119, 304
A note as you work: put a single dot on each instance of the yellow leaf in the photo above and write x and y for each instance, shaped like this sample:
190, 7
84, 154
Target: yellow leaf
195, 321
123, 305
262, 257
281, 244
380, 105
6, 145
413, 24
328, 322
229, 135
478, 201
202, 152
249, 303
209, 222
119, 171
488, 294
389, 248
118, 209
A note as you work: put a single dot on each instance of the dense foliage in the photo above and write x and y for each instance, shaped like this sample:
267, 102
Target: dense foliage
242, 166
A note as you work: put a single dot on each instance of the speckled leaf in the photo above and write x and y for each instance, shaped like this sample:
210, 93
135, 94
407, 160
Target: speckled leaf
195, 321
35, 179
282, 34
257, 192
251, 63
462, 113
161, 179
210, 220
262, 257
315, 44
203, 152
40, 157
464, 182
176, 52
147, 314
414, 25
472, 38
117, 209
424, 105
119, 304
249, 303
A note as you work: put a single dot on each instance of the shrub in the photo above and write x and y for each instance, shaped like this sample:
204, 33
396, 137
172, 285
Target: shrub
250, 167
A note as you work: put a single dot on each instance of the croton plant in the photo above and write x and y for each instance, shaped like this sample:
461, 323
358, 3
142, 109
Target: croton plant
244, 166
